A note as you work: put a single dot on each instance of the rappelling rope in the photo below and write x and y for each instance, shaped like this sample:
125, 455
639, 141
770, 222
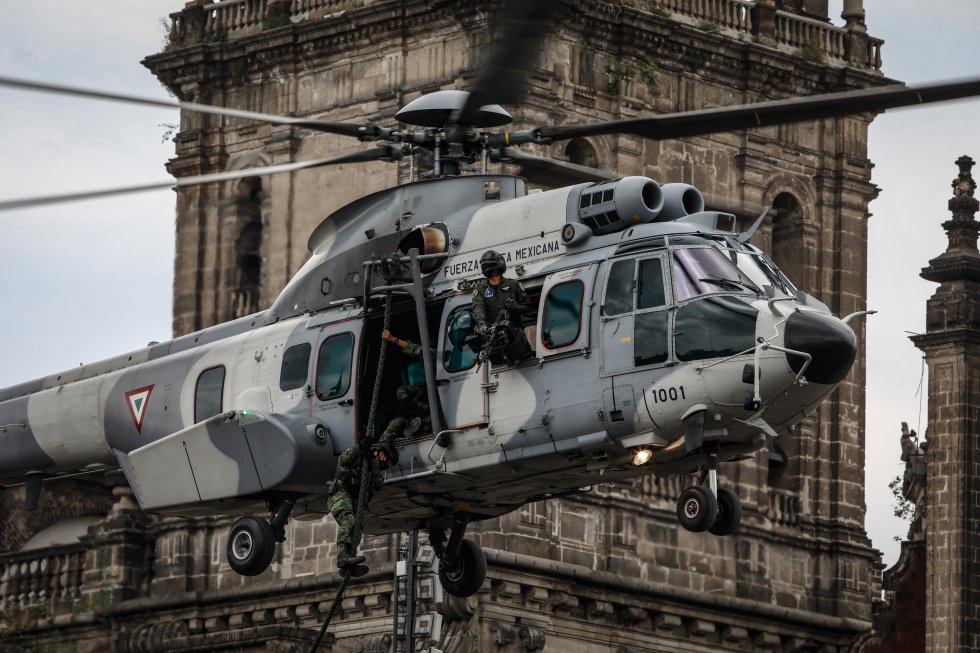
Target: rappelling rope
366, 480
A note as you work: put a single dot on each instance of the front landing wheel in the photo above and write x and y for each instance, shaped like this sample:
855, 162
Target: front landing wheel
251, 546
466, 577
697, 509
729, 513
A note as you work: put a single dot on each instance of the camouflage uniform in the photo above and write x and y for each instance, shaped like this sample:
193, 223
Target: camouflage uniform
413, 402
489, 299
342, 504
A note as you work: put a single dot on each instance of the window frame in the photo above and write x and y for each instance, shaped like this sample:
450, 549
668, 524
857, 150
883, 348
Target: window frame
581, 314
309, 358
445, 349
350, 366
221, 392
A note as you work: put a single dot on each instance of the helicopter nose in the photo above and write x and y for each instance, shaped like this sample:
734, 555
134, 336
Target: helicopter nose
830, 342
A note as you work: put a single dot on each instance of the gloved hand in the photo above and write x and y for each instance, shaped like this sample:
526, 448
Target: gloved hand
482, 330
511, 304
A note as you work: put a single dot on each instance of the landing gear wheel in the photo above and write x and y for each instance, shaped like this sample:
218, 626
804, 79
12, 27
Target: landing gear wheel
251, 546
729, 513
697, 508
466, 577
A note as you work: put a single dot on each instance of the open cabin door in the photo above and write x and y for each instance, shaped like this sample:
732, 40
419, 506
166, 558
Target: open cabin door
462, 389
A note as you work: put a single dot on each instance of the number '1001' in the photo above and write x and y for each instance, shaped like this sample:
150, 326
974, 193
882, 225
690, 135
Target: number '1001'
672, 394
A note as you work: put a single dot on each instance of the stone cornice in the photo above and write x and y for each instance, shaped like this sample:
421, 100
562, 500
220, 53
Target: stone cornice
953, 267
583, 578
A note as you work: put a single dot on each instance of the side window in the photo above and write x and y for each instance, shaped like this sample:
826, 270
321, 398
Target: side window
650, 344
562, 319
295, 366
650, 286
207, 393
619, 288
333, 366
457, 355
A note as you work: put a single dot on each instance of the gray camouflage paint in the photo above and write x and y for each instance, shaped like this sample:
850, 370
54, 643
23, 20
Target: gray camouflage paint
559, 422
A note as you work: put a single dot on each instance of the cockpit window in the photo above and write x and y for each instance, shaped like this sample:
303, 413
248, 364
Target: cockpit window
619, 288
754, 263
650, 287
706, 270
714, 327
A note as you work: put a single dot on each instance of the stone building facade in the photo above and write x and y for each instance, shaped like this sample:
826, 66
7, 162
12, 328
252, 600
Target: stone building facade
932, 591
610, 570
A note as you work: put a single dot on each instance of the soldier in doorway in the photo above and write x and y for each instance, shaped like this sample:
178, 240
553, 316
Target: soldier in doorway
412, 405
496, 293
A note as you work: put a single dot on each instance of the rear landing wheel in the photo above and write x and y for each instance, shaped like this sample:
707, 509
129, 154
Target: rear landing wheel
466, 576
729, 513
251, 546
697, 508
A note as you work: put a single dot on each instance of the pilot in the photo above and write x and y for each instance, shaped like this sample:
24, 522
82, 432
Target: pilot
496, 293
412, 406
342, 504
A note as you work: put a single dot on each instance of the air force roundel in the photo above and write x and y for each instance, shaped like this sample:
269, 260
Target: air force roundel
136, 400
488, 292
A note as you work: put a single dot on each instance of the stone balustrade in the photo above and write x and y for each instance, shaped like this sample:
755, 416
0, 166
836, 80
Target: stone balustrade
47, 581
214, 21
733, 14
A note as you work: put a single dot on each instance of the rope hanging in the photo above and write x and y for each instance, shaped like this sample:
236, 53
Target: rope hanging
362, 496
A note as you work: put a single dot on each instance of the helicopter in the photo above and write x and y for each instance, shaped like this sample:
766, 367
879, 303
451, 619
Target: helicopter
663, 342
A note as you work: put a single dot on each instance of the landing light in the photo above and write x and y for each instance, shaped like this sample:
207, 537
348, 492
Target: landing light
641, 456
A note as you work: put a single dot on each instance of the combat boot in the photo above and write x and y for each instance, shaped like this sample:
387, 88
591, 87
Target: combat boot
347, 560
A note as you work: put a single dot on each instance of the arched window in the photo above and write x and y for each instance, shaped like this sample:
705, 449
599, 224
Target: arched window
580, 152
789, 249
247, 276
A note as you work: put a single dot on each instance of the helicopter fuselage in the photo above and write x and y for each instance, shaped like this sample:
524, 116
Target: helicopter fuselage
656, 330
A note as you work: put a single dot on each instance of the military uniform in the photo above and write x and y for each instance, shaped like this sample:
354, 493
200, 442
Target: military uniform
412, 406
342, 504
489, 299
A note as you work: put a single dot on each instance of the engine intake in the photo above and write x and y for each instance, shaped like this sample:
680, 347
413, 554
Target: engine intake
612, 206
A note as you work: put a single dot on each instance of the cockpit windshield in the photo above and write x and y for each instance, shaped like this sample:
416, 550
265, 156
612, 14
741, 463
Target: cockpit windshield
707, 270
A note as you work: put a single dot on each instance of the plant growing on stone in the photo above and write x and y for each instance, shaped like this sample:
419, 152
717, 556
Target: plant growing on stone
621, 74
708, 26
812, 52
904, 509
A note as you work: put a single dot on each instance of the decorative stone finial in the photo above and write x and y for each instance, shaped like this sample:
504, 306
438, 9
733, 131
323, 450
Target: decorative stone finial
962, 229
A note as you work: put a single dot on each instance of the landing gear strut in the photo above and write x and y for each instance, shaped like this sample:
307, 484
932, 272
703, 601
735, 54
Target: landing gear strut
705, 507
252, 540
462, 563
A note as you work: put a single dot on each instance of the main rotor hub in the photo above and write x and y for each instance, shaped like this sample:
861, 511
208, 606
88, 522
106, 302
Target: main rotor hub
436, 110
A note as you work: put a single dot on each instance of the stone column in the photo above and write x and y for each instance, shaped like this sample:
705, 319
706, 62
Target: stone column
951, 346
764, 19
853, 14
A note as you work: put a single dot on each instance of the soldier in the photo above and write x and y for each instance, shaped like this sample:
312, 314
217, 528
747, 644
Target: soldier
342, 504
412, 400
496, 293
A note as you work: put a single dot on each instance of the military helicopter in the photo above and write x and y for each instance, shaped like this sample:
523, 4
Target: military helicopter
662, 342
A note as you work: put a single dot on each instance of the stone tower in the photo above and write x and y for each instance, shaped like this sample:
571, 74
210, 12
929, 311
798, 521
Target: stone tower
951, 346
609, 570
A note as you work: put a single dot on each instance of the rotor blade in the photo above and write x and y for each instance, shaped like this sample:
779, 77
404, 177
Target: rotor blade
376, 154
777, 112
504, 77
344, 129
552, 172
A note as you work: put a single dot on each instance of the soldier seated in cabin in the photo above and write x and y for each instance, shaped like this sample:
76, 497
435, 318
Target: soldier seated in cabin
412, 400
498, 303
